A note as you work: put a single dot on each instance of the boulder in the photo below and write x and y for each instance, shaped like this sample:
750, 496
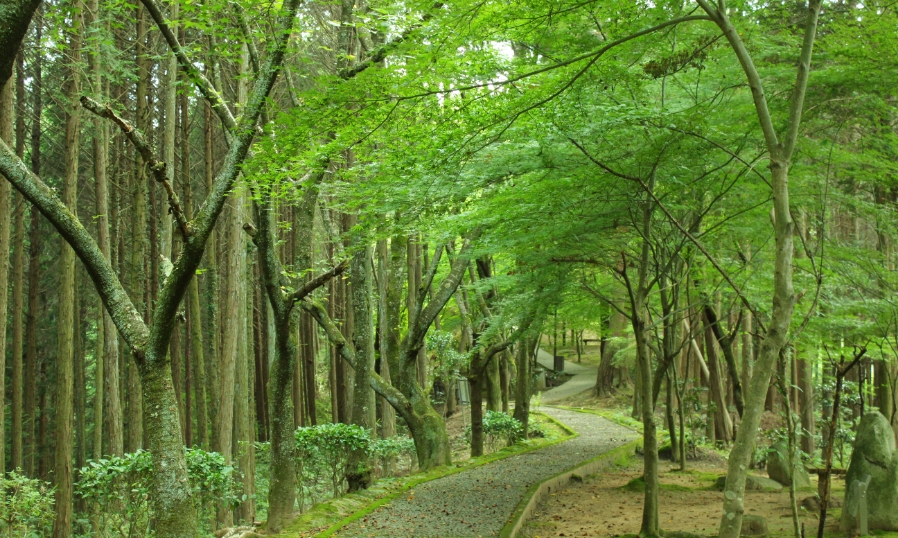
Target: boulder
812, 504
778, 467
874, 455
753, 526
752, 483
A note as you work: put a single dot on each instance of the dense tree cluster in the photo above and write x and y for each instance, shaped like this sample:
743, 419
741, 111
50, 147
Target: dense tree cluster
228, 220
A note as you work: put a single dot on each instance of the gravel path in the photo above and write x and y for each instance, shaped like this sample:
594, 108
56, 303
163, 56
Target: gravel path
584, 378
479, 502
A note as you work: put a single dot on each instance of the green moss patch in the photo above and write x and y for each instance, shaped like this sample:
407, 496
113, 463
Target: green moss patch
638, 484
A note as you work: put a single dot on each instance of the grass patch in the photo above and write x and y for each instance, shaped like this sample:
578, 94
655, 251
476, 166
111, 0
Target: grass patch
325, 519
638, 484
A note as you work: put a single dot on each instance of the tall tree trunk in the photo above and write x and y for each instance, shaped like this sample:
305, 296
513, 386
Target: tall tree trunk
138, 237
62, 525
80, 392
29, 390
244, 417
337, 307
504, 380
211, 291
233, 326
783, 295
475, 383
31, 367
363, 404
493, 386
806, 403
7, 131
388, 328
18, 280
523, 384
723, 424
107, 388
413, 259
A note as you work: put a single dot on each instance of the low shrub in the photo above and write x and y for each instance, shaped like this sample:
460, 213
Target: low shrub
498, 429
392, 453
119, 486
26, 505
324, 450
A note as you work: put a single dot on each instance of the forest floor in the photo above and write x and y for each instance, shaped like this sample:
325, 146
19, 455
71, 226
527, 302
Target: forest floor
610, 503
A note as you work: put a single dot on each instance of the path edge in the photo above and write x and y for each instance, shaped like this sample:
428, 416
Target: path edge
429, 476
540, 491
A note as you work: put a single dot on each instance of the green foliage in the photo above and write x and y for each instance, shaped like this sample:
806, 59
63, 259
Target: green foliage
324, 451
395, 451
537, 430
499, 429
120, 487
26, 506
447, 361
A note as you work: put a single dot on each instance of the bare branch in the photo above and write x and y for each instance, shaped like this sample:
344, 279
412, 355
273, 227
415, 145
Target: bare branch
319, 281
725, 274
202, 83
142, 146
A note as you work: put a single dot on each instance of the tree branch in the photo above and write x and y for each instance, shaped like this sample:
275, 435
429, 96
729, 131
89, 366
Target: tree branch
380, 54
140, 143
194, 247
345, 350
126, 318
801, 79
720, 18
444, 293
202, 83
427, 281
319, 281
680, 227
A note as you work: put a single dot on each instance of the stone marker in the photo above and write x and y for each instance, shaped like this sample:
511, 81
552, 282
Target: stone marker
874, 455
858, 506
778, 467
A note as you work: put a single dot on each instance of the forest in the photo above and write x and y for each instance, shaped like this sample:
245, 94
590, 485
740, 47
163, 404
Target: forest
288, 267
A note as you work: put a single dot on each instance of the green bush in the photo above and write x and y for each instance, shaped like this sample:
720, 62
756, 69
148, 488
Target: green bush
398, 451
325, 450
120, 487
498, 428
26, 505
537, 430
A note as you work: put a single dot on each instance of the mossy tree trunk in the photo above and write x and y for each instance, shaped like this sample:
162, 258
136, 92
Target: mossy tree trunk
171, 497
282, 492
410, 399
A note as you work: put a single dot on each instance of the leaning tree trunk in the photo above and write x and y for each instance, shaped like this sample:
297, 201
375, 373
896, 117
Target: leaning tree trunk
783, 295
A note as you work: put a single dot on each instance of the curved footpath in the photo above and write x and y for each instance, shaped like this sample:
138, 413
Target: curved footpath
480, 502
584, 378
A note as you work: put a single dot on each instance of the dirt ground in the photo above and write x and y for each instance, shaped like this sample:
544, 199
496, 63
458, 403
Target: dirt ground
604, 504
